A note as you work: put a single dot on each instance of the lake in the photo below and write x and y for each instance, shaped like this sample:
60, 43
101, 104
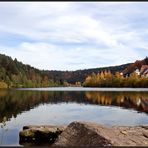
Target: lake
62, 105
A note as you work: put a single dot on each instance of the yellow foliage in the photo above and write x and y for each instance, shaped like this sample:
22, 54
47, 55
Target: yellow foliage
3, 85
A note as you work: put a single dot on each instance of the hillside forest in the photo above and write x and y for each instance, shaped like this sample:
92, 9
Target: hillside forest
107, 79
135, 75
15, 74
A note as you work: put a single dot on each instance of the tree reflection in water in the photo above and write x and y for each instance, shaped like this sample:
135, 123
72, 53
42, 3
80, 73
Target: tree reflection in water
132, 100
14, 102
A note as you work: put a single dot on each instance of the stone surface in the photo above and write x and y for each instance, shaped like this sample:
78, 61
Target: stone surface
92, 134
85, 134
132, 135
44, 133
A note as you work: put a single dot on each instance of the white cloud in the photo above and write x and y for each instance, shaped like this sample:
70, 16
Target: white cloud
60, 32
48, 56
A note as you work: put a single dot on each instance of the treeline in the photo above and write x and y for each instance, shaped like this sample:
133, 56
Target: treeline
72, 77
16, 74
107, 79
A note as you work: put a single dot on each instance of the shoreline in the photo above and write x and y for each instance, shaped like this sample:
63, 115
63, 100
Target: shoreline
116, 89
79, 88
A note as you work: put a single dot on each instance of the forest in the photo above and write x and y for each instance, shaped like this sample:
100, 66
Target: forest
107, 79
16, 74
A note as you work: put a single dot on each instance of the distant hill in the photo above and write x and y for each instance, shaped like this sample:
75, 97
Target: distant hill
16, 74
80, 75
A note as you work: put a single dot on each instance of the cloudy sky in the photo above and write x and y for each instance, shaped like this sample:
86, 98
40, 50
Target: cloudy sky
74, 35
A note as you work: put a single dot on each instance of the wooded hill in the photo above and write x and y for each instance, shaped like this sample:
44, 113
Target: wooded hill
16, 74
129, 77
80, 75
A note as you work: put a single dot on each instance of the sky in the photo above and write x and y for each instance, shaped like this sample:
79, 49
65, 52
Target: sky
74, 35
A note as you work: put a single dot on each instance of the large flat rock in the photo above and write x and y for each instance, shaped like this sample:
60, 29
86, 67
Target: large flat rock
85, 134
132, 135
92, 134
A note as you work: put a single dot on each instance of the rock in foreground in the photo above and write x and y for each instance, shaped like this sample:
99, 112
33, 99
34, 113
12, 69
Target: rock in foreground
87, 134
92, 134
37, 134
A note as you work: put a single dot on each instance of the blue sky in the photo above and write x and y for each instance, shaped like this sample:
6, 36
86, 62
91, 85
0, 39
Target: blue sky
74, 35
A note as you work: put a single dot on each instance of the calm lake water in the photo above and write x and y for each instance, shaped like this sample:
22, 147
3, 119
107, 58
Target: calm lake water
60, 106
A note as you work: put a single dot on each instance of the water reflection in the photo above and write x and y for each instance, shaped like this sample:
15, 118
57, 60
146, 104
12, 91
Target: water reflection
130, 100
24, 107
14, 102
